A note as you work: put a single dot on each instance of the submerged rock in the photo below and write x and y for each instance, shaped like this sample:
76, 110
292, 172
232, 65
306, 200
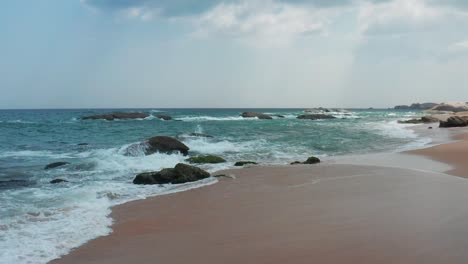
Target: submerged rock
242, 163
54, 181
315, 116
55, 165
200, 135
455, 121
165, 144
257, 115
164, 117
206, 159
116, 115
181, 173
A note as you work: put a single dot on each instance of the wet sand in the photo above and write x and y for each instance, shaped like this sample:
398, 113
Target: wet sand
327, 213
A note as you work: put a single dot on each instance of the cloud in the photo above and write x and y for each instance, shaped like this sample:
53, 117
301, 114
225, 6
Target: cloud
459, 46
261, 19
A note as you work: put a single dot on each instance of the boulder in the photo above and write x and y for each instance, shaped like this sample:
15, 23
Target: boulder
181, 173
242, 163
116, 115
455, 121
451, 107
312, 160
315, 116
55, 165
164, 117
206, 159
54, 181
257, 115
165, 144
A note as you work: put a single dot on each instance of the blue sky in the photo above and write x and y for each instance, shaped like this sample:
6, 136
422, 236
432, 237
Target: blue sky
257, 53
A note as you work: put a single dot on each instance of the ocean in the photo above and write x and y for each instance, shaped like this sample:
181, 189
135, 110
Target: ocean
40, 221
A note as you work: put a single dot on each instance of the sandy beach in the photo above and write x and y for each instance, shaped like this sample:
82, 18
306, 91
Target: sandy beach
327, 213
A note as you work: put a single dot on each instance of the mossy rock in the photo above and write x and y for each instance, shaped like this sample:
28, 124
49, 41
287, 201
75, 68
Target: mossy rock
206, 159
242, 163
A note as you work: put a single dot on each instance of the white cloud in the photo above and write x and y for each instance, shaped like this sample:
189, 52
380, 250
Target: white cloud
262, 20
398, 16
459, 46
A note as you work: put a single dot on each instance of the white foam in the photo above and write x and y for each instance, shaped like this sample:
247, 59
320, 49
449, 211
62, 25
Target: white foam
34, 153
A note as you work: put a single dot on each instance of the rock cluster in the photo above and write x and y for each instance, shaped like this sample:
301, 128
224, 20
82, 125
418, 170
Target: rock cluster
257, 115
116, 115
315, 116
455, 121
181, 173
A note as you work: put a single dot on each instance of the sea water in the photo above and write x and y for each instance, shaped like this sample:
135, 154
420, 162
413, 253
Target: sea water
40, 221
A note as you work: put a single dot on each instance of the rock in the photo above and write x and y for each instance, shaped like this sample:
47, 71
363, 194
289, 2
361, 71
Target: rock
82, 144
312, 160
165, 144
54, 181
422, 120
315, 116
206, 159
242, 163
257, 115
164, 117
455, 121
279, 116
429, 128
451, 107
55, 165
416, 106
181, 173
116, 115
200, 135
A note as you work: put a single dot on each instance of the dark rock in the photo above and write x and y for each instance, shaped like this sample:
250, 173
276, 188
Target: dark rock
422, 120
315, 116
200, 135
82, 144
242, 163
164, 117
312, 160
54, 181
257, 115
55, 165
180, 174
116, 115
206, 159
429, 128
279, 116
165, 144
455, 121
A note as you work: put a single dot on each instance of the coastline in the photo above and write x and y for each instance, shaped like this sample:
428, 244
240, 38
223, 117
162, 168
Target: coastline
330, 213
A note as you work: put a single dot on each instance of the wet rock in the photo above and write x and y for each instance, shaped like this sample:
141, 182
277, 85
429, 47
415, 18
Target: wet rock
181, 173
257, 115
164, 117
55, 181
116, 115
315, 116
455, 121
55, 165
310, 160
200, 135
422, 120
82, 144
165, 144
243, 163
206, 159
279, 116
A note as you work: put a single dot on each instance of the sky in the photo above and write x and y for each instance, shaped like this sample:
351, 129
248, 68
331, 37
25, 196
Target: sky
232, 53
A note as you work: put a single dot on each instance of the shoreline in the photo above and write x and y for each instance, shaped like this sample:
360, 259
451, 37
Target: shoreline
244, 220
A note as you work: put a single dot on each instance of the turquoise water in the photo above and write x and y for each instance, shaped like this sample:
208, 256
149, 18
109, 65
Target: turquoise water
52, 219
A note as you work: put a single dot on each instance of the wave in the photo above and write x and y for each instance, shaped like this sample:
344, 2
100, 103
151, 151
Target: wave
34, 154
